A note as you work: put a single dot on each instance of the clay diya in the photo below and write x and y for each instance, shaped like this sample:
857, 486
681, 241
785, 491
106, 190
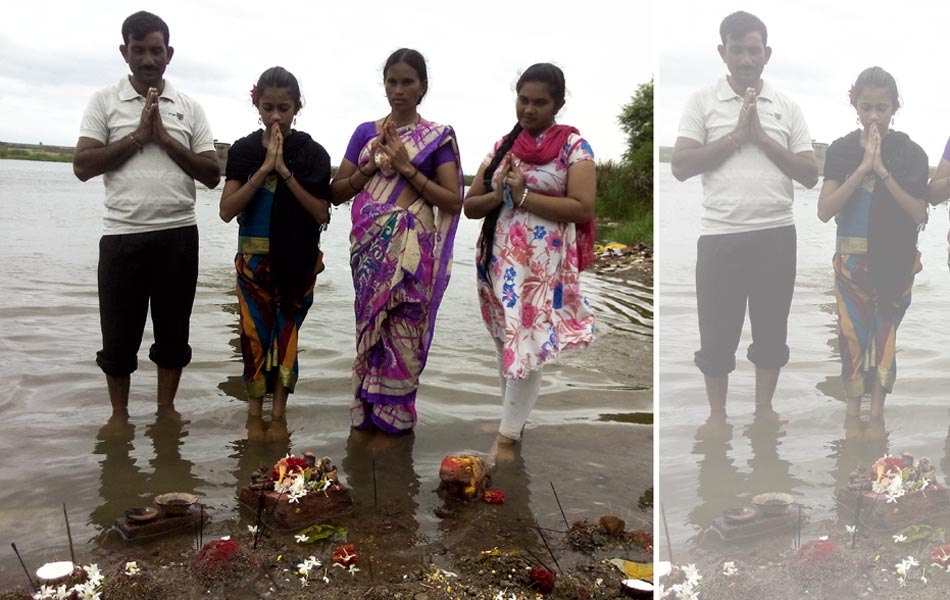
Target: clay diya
141, 515
742, 514
773, 504
176, 503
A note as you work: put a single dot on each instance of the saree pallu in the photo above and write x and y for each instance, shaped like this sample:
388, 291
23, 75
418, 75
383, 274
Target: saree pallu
269, 332
867, 331
401, 261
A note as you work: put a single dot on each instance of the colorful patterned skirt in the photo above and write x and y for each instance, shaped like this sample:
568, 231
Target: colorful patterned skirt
269, 331
867, 332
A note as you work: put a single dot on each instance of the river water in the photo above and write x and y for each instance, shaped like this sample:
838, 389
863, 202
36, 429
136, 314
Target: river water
586, 436
703, 472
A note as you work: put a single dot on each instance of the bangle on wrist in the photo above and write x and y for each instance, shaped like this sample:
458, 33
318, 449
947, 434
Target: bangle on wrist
251, 183
414, 173
289, 177
423, 190
884, 179
349, 180
135, 142
524, 196
360, 169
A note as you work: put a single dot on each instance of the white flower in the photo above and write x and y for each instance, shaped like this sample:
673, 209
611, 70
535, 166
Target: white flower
88, 591
899, 538
923, 578
297, 488
252, 529
45, 591
225, 538
132, 568
301, 538
353, 570
95, 576
729, 568
851, 529
692, 574
823, 538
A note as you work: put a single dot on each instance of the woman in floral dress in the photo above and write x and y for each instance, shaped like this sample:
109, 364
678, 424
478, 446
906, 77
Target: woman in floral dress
536, 192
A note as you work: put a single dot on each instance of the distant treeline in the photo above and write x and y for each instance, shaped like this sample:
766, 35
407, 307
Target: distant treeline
36, 152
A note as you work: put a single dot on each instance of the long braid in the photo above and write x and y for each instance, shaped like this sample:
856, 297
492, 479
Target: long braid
491, 219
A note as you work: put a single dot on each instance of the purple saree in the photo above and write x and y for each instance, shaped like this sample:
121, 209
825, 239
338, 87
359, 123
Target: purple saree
401, 260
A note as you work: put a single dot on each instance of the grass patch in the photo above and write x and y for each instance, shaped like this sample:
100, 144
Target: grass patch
624, 204
629, 232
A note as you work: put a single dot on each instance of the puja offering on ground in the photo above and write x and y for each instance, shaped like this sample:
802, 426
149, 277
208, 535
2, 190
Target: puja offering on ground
296, 492
893, 493
464, 476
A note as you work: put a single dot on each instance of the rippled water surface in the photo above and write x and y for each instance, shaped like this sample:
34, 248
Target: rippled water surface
583, 436
704, 472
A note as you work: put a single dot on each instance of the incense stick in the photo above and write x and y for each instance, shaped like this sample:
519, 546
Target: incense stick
69, 536
556, 499
375, 502
25, 570
666, 531
554, 558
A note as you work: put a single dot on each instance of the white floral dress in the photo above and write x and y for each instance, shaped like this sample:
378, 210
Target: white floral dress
533, 303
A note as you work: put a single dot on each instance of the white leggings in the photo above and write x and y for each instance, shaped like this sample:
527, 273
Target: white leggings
518, 398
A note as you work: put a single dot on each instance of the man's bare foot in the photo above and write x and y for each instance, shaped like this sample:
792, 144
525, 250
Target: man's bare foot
167, 412
716, 428
765, 413
117, 429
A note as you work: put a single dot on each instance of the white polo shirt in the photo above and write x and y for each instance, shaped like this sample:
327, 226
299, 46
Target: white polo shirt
149, 192
747, 191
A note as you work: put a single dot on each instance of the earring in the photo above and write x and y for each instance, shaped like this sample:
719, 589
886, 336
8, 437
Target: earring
294, 124
892, 121
857, 120
260, 121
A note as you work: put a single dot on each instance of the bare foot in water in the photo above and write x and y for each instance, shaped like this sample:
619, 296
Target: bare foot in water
255, 407
117, 429
504, 449
256, 428
277, 430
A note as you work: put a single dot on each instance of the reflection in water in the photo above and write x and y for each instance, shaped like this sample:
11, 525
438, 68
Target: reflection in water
864, 442
384, 485
257, 449
477, 526
170, 472
122, 484
719, 478
721, 484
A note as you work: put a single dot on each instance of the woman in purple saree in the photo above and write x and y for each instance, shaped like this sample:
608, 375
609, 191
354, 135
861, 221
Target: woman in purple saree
406, 177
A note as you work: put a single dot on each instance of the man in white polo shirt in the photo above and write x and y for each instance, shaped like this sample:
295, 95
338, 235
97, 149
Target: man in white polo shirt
749, 142
151, 143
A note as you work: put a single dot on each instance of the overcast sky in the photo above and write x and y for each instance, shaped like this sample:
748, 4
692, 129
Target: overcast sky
818, 49
55, 54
